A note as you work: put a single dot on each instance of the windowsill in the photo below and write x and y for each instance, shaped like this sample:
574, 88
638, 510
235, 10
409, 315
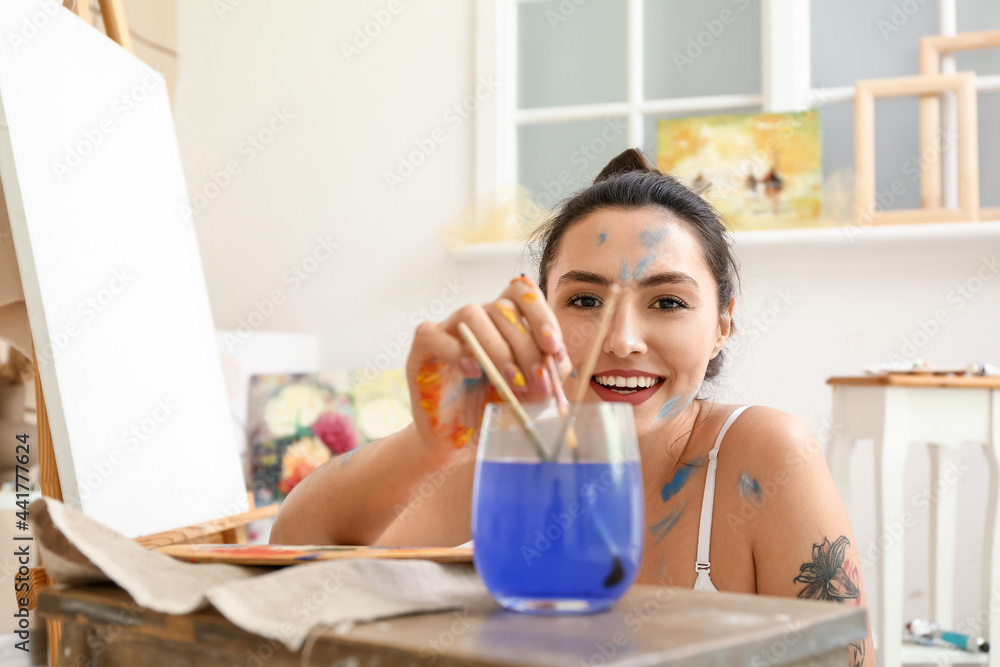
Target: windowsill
825, 236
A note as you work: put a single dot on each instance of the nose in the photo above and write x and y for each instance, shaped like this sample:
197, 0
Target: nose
623, 336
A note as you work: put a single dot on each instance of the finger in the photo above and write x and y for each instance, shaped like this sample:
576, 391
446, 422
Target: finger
508, 320
431, 341
493, 343
541, 320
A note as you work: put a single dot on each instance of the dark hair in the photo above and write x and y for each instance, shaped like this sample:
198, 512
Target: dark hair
629, 182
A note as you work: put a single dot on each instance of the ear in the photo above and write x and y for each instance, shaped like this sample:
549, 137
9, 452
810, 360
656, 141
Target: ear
725, 327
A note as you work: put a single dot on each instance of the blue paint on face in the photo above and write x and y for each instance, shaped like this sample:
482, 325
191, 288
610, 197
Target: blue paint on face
624, 274
603, 237
681, 409
573, 373
667, 407
670, 409
680, 478
652, 238
641, 266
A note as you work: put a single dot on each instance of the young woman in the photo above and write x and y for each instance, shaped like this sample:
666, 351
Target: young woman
771, 522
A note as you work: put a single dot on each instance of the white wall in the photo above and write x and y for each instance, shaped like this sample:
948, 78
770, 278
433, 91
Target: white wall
323, 175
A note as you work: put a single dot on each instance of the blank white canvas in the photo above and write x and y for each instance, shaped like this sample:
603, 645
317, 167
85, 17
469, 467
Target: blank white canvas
112, 277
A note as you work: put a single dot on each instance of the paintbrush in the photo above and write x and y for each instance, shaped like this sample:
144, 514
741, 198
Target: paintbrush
587, 369
567, 434
561, 403
500, 384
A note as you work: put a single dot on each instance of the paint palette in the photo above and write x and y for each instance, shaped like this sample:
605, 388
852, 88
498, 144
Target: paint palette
282, 555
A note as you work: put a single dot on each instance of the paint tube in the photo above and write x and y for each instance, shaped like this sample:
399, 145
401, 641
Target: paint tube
929, 633
982, 368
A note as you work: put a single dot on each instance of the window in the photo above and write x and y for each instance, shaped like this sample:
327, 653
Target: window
581, 80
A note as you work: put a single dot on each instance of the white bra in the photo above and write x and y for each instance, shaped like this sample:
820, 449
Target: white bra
702, 566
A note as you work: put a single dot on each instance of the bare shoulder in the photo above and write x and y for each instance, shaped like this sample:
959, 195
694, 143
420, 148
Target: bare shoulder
771, 467
770, 438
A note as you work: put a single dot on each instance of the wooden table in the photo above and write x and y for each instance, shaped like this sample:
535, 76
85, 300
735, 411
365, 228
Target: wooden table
651, 625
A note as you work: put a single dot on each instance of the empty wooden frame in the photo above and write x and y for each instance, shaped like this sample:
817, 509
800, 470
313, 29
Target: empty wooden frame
964, 86
932, 48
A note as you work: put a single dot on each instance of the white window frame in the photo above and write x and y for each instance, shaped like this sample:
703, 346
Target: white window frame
785, 61
785, 25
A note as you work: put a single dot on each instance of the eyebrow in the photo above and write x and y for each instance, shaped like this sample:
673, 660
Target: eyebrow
653, 280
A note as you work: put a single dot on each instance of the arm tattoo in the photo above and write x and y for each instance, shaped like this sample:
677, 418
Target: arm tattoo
856, 653
824, 577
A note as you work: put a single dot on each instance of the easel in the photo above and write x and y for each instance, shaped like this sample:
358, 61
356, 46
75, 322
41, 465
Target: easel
225, 530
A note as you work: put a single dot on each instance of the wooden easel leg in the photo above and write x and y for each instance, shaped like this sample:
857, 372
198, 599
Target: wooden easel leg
54, 629
79, 7
48, 473
114, 22
49, 479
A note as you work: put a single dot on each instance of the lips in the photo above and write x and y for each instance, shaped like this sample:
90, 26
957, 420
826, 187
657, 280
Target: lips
636, 396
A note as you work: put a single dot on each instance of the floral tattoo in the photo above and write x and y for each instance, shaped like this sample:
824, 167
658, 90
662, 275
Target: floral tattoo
824, 577
857, 653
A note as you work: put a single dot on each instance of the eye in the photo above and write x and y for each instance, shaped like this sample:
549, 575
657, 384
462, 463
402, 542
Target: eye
669, 303
583, 301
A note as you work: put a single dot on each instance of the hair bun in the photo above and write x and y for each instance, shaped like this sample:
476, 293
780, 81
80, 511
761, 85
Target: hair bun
631, 159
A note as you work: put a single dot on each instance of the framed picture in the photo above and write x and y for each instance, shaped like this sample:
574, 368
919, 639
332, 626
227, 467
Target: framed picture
761, 171
298, 422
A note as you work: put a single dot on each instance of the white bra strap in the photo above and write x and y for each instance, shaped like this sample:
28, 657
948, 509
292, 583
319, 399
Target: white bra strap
705, 528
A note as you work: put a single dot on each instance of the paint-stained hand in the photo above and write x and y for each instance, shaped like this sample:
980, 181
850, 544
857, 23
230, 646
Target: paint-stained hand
518, 331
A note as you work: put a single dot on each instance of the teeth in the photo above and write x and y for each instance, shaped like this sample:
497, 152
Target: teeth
630, 382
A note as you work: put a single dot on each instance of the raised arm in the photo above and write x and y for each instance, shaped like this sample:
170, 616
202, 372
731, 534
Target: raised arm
353, 498
801, 538
413, 488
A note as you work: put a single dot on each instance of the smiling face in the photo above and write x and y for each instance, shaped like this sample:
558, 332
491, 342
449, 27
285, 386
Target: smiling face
667, 325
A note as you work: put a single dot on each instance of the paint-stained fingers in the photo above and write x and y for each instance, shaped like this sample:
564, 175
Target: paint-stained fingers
493, 342
541, 320
432, 341
507, 318
436, 385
